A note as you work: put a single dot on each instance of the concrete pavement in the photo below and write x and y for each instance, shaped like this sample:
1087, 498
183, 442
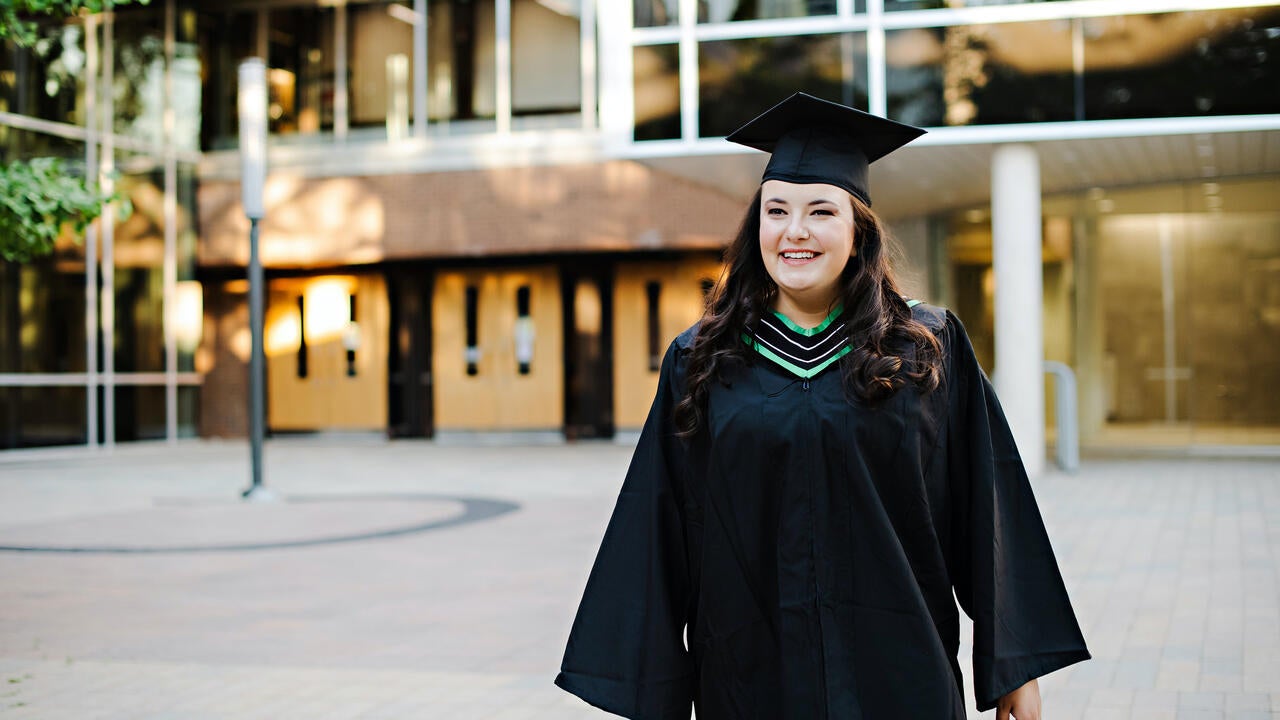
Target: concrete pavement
424, 580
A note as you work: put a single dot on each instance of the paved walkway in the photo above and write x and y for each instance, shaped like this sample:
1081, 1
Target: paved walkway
418, 580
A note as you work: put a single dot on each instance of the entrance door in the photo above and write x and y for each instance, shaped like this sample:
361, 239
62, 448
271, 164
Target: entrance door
326, 353
587, 297
409, 370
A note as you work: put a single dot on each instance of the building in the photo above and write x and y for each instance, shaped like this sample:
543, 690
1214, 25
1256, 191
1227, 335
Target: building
492, 215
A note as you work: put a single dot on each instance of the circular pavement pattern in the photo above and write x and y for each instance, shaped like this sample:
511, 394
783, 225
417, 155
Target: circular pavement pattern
194, 526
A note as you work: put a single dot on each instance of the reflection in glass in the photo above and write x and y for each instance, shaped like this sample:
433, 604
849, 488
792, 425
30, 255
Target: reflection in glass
186, 251
46, 80
139, 276
1182, 64
300, 66
741, 78
718, 11
460, 55
546, 51
225, 40
656, 86
42, 313
188, 411
981, 74
1185, 276
18, 144
138, 90
650, 13
381, 52
140, 412
891, 5
42, 416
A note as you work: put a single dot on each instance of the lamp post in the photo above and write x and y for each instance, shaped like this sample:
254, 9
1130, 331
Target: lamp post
253, 172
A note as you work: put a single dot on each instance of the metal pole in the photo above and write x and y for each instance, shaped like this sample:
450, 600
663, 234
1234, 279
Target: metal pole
252, 101
257, 363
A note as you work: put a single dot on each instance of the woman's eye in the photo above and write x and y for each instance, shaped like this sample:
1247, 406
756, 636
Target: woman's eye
823, 212
776, 211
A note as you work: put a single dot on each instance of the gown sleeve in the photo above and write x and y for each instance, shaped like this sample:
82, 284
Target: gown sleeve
626, 650
1002, 565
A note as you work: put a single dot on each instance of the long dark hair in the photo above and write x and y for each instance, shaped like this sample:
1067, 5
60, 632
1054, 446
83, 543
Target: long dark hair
875, 316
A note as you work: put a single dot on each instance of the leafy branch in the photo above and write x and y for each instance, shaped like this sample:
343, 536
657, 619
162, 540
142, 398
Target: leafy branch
20, 19
37, 199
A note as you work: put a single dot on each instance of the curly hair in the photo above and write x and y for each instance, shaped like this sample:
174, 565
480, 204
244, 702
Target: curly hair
876, 317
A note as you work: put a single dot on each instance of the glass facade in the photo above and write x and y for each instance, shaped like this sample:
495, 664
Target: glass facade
1127, 66
718, 11
68, 376
656, 88
980, 74
742, 78
1181, 64
1150, 294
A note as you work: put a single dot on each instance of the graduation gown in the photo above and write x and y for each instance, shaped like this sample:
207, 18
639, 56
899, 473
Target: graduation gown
798, 558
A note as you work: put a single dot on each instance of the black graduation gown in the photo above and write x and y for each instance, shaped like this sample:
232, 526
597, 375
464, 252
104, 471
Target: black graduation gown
811, 545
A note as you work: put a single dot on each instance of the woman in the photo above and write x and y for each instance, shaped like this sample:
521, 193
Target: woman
824, 465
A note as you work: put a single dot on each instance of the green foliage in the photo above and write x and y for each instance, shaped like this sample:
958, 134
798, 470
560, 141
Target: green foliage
36, 199
19, 18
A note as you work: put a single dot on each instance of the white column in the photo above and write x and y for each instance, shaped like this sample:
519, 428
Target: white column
420, 68
502, 63
1019, 300
587, 59
341, 121
616, 98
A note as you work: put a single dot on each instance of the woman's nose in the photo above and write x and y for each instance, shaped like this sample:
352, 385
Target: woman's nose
796, 230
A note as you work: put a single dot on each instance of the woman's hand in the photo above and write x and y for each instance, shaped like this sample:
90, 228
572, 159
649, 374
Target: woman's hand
1022, 704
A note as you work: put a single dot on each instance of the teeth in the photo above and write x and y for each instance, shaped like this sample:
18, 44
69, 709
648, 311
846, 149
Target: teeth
797, 255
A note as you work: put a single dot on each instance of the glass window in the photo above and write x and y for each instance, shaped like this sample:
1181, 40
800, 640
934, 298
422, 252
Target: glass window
981, 74
188, 411
225, 40
138, 89
651, 13
139, 261
656, 72
46, 80
381, 62
891, 5
741, 78
463, 84
718, 11
42, 314
140, 412
546, 57
42, 416
190, 309
1182, 64
300, 74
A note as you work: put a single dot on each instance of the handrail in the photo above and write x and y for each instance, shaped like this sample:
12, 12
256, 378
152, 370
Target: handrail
1066, 415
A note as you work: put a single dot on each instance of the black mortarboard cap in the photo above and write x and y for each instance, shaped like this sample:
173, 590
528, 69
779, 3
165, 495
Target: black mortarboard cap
817, 141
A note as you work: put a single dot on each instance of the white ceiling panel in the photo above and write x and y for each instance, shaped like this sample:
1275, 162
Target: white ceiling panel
921, 180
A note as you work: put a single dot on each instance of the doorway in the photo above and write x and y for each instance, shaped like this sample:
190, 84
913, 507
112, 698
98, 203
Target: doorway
409, 362
587, 299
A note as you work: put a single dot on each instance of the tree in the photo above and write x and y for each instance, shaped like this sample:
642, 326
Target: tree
19, 18
38, 197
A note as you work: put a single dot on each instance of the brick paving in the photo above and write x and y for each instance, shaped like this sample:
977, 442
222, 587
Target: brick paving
1174, 567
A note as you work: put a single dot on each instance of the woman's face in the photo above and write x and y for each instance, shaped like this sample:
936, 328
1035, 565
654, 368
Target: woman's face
806, 239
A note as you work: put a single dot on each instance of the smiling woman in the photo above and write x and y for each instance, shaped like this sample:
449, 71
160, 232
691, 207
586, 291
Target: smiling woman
809, 531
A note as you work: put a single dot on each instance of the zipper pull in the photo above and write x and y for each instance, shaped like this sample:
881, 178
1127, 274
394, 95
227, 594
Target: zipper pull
806, 385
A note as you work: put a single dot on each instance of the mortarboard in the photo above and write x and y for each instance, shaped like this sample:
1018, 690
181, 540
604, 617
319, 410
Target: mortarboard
817, 141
